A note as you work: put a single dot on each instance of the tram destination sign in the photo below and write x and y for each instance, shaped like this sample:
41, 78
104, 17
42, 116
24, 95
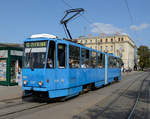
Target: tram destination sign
35, 44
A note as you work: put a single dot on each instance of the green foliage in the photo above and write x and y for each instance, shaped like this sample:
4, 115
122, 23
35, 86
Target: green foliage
144, 57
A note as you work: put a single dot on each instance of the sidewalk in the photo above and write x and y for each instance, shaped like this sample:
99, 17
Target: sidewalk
8, 92
128, 73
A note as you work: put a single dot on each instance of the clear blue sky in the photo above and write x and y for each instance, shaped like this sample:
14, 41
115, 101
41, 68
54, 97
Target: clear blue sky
21, 18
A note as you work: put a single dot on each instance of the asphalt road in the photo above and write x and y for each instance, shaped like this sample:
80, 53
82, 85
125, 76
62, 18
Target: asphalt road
110, 102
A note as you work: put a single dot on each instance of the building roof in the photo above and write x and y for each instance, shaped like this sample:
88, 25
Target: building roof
15, 45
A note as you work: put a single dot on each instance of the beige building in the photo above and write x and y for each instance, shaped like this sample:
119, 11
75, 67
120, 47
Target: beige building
120, 45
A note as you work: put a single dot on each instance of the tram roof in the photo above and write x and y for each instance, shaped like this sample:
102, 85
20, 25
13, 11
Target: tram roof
67, 42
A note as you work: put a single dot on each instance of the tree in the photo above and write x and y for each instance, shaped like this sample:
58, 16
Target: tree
144, 57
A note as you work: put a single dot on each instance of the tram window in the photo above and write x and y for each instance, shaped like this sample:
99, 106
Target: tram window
93, 59
61, 54
51, 55
85, 58
114, 62
99, 60
119, 63
74, 57
103, 60
110, 62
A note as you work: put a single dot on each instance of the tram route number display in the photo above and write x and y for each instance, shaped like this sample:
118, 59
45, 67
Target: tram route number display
36, 44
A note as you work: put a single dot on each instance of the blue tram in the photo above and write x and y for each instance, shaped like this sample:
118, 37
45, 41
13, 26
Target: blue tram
60, 68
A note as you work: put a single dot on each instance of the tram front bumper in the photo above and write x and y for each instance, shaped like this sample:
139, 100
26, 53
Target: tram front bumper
34, 88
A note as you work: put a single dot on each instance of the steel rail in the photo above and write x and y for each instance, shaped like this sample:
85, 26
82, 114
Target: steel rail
137, 99
6, 115
11, 99
10, 103
21, 110
117, 98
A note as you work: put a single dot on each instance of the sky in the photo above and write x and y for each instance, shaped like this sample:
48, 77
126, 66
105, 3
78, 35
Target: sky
19, 19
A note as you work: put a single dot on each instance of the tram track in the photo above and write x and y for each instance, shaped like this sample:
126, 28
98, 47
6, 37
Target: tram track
137, 99
11, 99
19, 110
12, 102
100, 108
117, 89
11, 113
121, 94
15, 106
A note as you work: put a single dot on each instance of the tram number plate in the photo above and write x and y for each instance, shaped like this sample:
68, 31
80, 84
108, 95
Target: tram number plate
32, 82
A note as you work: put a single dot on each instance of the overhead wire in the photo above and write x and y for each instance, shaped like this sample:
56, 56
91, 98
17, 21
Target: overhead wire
131, 19
129, 12
90, 22
67, 4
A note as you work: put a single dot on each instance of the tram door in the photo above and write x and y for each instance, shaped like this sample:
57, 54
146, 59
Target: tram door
61, 75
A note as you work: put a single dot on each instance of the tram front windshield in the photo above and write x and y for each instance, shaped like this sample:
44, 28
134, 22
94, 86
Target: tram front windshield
34, 54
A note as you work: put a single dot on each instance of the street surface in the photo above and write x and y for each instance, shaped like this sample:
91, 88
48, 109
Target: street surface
114, 101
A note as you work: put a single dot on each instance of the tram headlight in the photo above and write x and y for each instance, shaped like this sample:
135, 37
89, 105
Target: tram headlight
40, 83
24, 82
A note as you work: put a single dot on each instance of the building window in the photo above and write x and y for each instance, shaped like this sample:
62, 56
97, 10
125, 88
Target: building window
81, 41
96, 47
111, 40
106, 48
101, 40
111, 48
91, 41
101, 48
117, 52
96, 40
119, 39
106, 40
121, 48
